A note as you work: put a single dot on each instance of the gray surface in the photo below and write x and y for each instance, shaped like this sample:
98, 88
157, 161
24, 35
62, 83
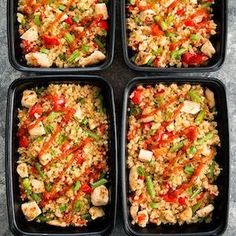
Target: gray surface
119, 75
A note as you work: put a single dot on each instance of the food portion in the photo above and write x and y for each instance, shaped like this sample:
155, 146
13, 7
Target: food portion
172, 144
68, 33
170, 33
63, 144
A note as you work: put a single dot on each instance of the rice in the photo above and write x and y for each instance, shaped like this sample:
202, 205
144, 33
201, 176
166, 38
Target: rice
170, 32
172, 144
63, 144
68, 33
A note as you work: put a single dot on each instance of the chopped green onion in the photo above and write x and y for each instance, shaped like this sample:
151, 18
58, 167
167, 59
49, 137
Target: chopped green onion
164, 25
150, 186
62, 7
86, 216
63, 207
177, 146
210, 173
85, 48
189, 170
194, 96
195, 193
42, 218
72, 8
73, 56
44, 50
206, 138
170, 19
78, 205
101, 99
77, 186
99, 43
81, 100
159, 100
37, 20
49, 129
200, 117
26, 184
154, 205
69, 37
196, 207
48, 186
206, 5
157, 18
38, 167
76, 18
61, 139
177, 53
36, 197
141, 171
53, 115
62, 57
93, 135
84, 121
192, 150
99, 183
135, 110
194, 37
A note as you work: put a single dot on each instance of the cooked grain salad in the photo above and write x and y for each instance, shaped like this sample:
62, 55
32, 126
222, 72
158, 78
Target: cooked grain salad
168, 33
65, 33
63, 144
172, 144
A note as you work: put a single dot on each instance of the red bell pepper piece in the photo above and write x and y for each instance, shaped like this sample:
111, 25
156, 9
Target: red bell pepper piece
180, 12
69, 21
155, 30
103, 24
50, 40
194, 58
136, 99
182, 201
36, 109
86, 188
24, 141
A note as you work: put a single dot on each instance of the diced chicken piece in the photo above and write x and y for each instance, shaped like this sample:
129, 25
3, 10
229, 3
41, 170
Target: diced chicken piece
22, 170
145, 155
20, 17
96, 212
193, 1
186, 215
57, 223
37, 186
142, 218
169, 216
64, 17
31, 210
167, 3
37, 130
45, 158
134, 212
101, 9
208, 49
147, 15
133, 177
38, 59
210, 98
31, 34
143, 58
148, 119
94, 58
170, 127
92, 124
206, 151
29, 98
99, 196
79, 114
191, 107
205, 211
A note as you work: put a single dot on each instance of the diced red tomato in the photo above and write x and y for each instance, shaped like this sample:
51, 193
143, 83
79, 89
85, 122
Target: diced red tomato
189, 23
194, 58
69, 21
155, 30
58, 102
103, 24
182, 200
180, 12
35, 110
24, 141
86, 188
137, 95
50, 40
169, 198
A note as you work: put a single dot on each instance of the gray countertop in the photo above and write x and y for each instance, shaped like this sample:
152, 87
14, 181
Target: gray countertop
118, 74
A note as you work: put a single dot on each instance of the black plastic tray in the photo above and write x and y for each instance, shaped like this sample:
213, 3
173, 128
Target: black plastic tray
220, 215
15, 52
219, 41
17, 222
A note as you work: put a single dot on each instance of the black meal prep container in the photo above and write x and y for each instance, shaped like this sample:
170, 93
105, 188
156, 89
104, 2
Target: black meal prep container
17, 222
15, 52
218, 40
220, 214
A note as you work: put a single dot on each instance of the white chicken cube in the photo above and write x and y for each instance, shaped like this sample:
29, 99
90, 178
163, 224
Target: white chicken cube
38, 59
37, 130
193, 1
205, 211
57, 223
96, 212
170, 127
99, 196
210, 98
133, 211
45, 158
22, 170
37, 186
94, 58
145, 218
78, 114
29, 98
31, 34
191, 107
208, 49
145, 155
206, 151
31, 210
92, 124
101, 9
133, 177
